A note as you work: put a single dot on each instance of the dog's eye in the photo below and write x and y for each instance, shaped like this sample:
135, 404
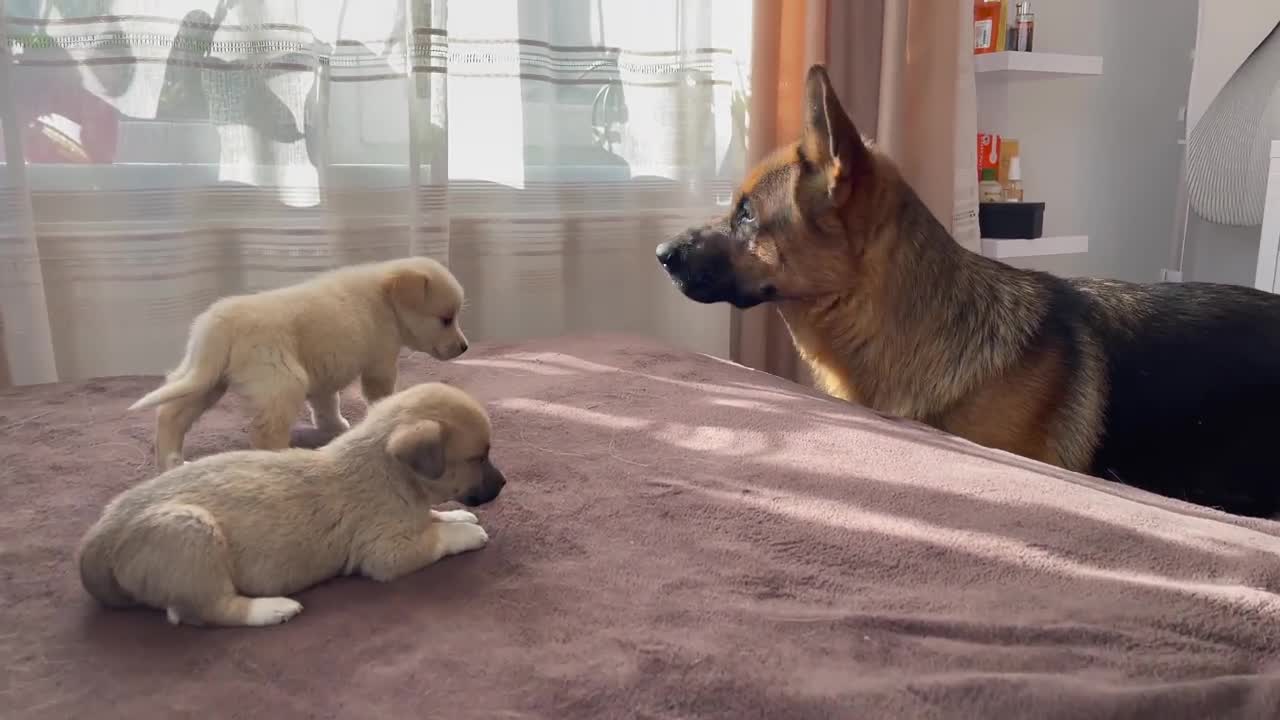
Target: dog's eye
446, 321
746, 213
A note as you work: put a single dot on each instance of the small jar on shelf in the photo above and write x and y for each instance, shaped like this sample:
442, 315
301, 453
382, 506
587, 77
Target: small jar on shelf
1012, 190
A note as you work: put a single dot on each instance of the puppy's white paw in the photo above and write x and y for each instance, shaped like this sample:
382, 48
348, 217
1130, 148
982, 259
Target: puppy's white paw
173, 460
460, 537
271, 611
454, 516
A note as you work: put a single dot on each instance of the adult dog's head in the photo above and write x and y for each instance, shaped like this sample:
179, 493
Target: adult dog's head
426, 299
442, 435
792, 231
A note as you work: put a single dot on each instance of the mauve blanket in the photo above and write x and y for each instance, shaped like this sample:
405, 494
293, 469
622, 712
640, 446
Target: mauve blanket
681, 537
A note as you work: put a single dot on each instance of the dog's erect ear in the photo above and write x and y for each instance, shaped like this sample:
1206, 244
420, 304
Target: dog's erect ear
407, 289
420, 446
831, 144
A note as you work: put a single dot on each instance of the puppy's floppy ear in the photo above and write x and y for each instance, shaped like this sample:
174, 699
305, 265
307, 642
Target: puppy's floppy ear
420, 446
831, 145
407, 289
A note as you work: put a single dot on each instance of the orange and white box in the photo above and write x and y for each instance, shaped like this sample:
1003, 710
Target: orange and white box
988, 154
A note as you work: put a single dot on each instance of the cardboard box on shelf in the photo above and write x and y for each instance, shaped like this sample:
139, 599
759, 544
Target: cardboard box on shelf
988, 153
1008, 151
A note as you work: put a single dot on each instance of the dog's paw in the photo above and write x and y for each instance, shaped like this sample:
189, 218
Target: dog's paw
334, 426
271, 611
455, 516
460, 537
171, 461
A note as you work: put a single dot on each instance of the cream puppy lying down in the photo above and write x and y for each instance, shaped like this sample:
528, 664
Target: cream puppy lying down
223, 540
307, 342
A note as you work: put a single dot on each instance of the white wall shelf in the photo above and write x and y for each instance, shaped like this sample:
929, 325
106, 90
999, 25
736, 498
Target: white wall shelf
1055, 245
1035, 65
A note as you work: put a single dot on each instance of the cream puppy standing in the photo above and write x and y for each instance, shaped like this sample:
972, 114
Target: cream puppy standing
306, 342
223, 540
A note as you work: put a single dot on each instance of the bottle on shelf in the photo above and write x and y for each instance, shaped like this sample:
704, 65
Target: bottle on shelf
1022, 33
1012, 190
986, 25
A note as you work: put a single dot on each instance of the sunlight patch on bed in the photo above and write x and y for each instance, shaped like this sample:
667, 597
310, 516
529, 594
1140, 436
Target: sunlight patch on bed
712, 438
568, 362
744, 404
996, 548
533, 368
568, 412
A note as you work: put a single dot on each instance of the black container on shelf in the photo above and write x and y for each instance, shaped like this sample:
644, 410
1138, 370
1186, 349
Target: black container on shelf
1011, 220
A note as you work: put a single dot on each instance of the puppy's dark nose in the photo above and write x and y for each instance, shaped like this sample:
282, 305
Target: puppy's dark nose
463, 347
670, 256
491, 483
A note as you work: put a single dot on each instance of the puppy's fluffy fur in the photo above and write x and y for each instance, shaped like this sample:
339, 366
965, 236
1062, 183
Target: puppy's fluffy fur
223, 540
306, 342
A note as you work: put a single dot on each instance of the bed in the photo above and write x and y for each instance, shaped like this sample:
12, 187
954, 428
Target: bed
681, 537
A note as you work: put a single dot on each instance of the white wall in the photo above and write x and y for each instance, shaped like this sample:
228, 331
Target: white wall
1102, 152
1220, 253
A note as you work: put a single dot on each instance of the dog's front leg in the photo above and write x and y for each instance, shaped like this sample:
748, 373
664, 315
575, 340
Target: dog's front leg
397, 557
326, 413
379, 382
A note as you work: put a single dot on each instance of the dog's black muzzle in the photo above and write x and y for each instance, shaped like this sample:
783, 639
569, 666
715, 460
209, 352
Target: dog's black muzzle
698, 262
491, 483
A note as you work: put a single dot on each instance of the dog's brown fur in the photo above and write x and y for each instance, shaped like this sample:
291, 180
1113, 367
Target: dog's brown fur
889, 311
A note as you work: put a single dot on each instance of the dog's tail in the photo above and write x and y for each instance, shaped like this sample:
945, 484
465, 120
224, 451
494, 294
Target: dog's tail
208, 350
97, 574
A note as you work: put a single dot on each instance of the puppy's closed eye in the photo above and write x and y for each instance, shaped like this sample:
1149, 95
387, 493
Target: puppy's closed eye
420, 446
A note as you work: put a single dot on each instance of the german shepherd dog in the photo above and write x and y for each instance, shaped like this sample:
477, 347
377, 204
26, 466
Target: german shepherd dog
1171, 387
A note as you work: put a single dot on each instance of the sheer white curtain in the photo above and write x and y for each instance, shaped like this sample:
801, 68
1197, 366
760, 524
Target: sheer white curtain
180, 150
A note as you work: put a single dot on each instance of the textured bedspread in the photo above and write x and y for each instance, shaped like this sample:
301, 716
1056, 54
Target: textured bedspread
680, 538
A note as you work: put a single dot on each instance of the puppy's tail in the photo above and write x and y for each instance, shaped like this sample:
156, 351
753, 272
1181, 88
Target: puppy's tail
208, 350
97, 574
